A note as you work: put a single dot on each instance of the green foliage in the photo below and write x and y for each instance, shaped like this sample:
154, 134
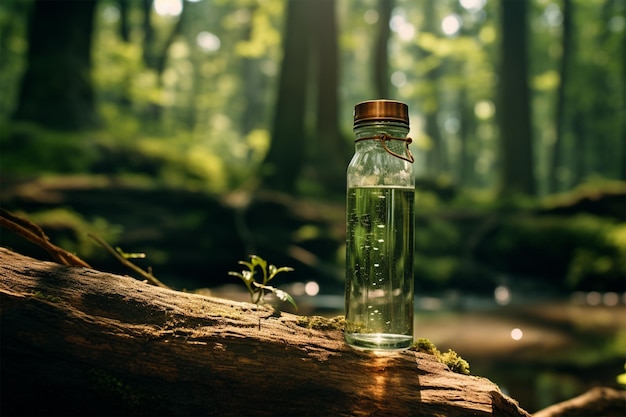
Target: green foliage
69, 230
13, 47
450, 358
264, 36
180, 162
438, 236
258, 290
172, 162
222, 99
204, 121
584, 248
28, 149
435, 271
572, 241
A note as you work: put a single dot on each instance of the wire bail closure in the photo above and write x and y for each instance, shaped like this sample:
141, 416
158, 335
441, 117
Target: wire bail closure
384, 138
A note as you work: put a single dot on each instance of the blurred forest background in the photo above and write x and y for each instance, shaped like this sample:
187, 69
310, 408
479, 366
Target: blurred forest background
199, 132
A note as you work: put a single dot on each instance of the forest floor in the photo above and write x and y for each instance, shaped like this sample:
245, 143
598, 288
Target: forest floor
539, 352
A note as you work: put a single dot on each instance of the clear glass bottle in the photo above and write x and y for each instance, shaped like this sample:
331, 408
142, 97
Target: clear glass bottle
380, 223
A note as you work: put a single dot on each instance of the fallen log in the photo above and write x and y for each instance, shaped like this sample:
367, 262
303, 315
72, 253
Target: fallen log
599, 401
76, 341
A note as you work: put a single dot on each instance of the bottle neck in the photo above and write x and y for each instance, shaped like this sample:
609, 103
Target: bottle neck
392, 129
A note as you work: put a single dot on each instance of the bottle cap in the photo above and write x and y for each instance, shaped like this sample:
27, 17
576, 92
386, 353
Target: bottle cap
381, 110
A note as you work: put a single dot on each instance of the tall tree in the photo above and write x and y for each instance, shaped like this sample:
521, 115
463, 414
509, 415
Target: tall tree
333, 153
57, 90
149, 48
306, 129
284, 159
124, 8
467, 121
251, 75
437, 156
516, 158
561, 94
381, 53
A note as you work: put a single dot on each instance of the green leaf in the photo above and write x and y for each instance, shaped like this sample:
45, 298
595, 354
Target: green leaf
274, 271
246, 277
283, 296
236, 274
280, 294
247, 264
258, 261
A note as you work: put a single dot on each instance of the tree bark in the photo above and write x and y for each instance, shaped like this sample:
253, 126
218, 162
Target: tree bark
85, 342
57, 89
561, 101
514, 102
436, 159
381, 51
333, 151
600, 401
284, 160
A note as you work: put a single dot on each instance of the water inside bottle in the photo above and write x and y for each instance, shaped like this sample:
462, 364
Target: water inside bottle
379, 272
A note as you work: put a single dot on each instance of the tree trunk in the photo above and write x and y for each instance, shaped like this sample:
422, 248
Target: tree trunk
599, 401
514, 102
284, 160
149, 49
253, 81
57, 91
466, 170
553, 181
333, 150
124, 8
381, 53
436, 157
85, 342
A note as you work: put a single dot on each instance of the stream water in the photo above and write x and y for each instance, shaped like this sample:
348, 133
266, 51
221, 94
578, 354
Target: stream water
538, 350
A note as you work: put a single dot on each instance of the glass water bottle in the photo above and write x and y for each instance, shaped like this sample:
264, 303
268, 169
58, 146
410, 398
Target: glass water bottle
380, 223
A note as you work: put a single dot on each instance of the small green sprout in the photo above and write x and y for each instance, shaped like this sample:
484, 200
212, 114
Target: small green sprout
450, 358
256, 289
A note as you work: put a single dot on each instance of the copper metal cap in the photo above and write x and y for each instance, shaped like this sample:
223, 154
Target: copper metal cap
381, 110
